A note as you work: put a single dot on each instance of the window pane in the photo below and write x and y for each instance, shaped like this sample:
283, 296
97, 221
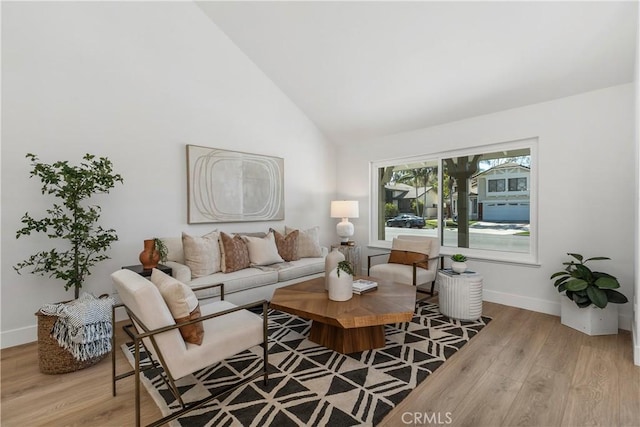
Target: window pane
408, 199
477, 208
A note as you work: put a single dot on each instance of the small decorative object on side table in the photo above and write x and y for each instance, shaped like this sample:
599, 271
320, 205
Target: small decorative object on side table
146, 273
460, 295
352, 254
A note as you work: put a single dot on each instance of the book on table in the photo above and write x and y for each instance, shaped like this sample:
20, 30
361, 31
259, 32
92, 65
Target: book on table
361, 286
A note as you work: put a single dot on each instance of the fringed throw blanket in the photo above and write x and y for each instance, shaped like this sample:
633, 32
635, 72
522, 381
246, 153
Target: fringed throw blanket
83, 326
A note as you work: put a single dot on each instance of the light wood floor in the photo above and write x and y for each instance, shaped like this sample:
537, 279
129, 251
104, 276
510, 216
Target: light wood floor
523, 369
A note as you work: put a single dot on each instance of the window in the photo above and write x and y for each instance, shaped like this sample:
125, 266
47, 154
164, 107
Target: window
518, 184
496, 185
481, 200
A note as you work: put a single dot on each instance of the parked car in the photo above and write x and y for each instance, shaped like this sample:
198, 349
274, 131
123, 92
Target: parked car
406, 220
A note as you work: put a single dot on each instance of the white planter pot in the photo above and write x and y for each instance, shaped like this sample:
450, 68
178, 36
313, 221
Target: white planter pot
590, 320
458, 267
330, 262
340, 288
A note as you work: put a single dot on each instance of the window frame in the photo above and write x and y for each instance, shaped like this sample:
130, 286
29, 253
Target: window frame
528, 258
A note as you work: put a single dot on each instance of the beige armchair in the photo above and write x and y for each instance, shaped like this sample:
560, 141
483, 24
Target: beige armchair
228, 330
414, 260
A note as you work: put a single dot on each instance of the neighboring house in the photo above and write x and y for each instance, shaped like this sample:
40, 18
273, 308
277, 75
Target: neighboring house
502, 193
403, 195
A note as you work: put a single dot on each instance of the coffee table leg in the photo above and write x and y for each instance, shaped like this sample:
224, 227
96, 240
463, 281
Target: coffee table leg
347, 341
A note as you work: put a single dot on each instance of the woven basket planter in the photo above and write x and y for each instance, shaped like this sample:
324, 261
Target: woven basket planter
52, 358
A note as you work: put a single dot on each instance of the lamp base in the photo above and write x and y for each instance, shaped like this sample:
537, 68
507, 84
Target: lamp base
345, 230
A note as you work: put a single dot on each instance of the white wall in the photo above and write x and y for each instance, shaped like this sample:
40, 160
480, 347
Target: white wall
136, 82
636, 299
586, 164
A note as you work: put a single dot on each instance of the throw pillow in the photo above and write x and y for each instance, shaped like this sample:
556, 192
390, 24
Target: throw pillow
201, 254
183, 305
408, 258
234, 253
287, 245
308, 242
262, 250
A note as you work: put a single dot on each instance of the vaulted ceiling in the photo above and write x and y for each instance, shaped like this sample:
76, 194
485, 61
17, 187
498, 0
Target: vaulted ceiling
365, 69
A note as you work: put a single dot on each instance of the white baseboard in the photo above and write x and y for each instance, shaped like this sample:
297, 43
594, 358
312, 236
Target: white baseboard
541, 306
29, 333
19, 336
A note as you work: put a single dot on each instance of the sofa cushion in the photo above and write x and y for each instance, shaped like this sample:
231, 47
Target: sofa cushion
201, 254
262, 250
236, 281
308, 242
234, 253
182, 303
287, 245
300, 268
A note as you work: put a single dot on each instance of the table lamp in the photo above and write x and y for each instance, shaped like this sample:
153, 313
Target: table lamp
344, 209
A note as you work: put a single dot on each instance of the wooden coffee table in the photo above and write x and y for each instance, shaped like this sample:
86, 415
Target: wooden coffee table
347, 326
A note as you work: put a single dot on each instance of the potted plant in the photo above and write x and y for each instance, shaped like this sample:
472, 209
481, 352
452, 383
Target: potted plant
72, 222
458, 263
341, 285
588, 293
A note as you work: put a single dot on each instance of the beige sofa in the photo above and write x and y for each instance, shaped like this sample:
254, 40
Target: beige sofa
248, 284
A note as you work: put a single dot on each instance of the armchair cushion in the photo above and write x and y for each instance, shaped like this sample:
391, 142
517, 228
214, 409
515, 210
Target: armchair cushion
182, 303
402, 273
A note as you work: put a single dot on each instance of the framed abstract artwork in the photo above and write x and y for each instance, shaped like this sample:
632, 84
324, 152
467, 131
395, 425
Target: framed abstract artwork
231, 186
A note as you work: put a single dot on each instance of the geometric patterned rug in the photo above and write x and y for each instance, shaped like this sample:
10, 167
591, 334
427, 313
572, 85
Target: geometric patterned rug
310, 385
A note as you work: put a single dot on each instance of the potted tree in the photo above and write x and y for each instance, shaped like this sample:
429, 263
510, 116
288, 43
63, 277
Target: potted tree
74, 223
588, 294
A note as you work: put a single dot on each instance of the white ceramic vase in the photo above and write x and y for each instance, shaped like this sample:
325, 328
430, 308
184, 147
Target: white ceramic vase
458, 267
340, 287
330, 262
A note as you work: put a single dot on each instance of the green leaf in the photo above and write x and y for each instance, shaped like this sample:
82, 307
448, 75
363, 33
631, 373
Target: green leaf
576, 285
576, 256
561, 281
583, 272
597, 296
615, 297
562, 288
607, 283
597, 258
559, 273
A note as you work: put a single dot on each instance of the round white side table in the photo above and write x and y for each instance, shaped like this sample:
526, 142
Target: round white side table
460, 295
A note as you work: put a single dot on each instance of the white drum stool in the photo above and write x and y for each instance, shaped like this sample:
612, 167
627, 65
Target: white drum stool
460, 295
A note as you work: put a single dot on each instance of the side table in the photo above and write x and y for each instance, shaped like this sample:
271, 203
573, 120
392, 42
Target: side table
146, 273
460, 295
351, 254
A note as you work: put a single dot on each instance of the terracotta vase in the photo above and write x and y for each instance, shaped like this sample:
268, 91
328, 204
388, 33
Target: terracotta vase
149, 257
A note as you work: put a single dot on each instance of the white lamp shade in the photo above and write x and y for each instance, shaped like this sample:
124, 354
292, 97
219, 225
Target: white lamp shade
344, 209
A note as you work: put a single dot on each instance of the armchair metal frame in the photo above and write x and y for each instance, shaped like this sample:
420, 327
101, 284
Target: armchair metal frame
166, 375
